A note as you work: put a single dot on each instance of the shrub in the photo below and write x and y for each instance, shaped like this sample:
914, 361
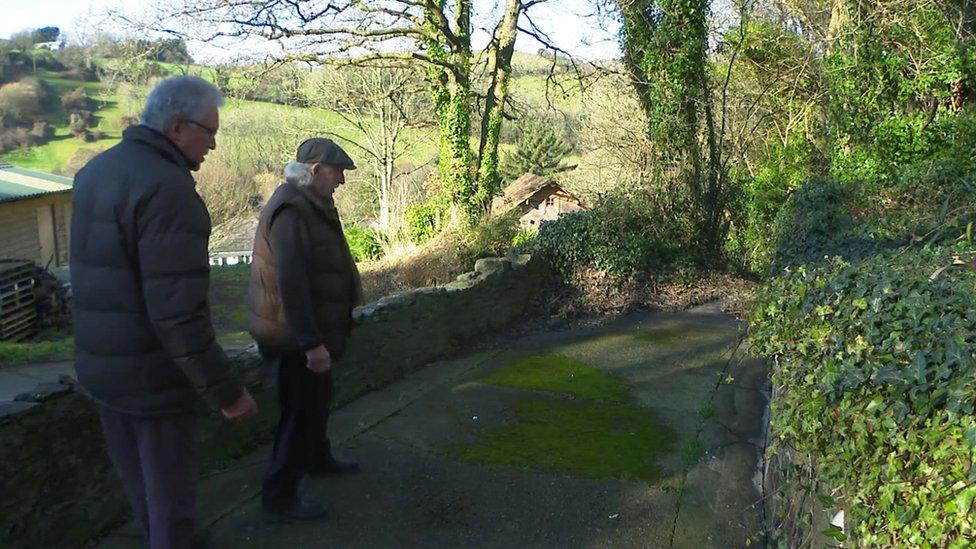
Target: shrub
425, 220
22, 101
79, 122
15, 138
363, 243
617, 242
77, 100
127, 120
42, 130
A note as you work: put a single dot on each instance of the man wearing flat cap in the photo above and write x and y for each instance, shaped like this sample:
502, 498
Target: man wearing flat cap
304, 285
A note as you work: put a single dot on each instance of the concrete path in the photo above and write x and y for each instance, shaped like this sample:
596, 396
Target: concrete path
15, 380
685, 370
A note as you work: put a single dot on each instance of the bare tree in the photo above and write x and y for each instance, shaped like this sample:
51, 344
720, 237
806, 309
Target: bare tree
436, 34
381, 106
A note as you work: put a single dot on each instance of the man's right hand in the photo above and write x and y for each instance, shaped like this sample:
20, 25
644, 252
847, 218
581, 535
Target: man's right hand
318, 359
244, 408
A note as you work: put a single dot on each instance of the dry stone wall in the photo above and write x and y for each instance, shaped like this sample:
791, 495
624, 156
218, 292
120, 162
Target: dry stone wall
58, 489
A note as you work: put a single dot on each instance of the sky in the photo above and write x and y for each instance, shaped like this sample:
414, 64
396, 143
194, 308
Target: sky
562, 20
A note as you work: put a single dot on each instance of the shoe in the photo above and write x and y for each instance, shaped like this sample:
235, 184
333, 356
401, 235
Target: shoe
334, 466
299, 511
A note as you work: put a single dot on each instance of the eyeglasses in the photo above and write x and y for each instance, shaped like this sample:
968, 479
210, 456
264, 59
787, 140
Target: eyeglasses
212, 132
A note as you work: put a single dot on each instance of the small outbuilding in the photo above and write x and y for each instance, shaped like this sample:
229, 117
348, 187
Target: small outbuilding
232, 242
35, 216
537, 199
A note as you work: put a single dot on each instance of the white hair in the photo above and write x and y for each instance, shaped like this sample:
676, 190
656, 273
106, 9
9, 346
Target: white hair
186, 97
299, 173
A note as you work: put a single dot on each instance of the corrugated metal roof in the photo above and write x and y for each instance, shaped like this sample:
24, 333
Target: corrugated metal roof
21, 183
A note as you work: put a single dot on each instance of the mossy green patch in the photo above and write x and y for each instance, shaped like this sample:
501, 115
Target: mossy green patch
595, 439
561, 374
600, 435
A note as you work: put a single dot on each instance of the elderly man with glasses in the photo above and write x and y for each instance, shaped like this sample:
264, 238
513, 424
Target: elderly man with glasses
145, 346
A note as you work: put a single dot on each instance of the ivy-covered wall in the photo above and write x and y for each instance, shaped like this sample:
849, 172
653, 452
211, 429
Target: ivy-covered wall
871, 324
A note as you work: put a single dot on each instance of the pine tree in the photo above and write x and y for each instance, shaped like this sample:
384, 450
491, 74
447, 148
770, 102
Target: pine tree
538, 150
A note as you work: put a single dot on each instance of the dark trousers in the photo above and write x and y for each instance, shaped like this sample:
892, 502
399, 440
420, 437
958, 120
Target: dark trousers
301, 439
156, 458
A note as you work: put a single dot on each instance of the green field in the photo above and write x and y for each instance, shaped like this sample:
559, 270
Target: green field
240, 119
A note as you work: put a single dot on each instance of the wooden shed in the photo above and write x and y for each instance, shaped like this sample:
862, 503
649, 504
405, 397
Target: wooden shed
538, 199
35, 216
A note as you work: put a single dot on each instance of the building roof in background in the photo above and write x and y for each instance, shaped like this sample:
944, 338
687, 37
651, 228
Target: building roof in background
234, 235
521, 190
21, 183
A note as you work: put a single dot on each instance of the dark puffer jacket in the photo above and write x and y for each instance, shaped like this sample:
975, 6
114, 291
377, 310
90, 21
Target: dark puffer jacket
304, 282
140, 275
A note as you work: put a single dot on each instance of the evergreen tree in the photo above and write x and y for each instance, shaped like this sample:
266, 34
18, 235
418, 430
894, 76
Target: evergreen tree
538, 150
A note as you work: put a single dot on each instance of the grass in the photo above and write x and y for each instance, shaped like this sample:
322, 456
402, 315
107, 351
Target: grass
228, 287
599, 435
52, 346
561, 374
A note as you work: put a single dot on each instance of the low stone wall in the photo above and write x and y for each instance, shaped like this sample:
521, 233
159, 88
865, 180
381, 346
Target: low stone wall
57, 487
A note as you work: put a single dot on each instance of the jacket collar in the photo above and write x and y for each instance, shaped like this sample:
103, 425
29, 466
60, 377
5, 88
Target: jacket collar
160, 143
324, 206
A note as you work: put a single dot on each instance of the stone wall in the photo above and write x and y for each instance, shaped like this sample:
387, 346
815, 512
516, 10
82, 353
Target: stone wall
57, 487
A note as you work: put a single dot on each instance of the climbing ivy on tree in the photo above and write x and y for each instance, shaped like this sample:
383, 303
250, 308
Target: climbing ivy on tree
665, 47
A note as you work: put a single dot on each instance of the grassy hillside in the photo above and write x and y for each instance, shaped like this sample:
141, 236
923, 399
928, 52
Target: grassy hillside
239, 118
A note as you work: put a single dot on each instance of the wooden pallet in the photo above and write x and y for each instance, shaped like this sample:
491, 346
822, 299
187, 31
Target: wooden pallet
18, 317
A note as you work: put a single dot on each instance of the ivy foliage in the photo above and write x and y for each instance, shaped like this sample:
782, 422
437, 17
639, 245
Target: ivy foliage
618, 240
871, 323
364, 243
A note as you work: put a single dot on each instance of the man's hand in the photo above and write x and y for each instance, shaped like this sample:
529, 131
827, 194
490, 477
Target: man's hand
244, 408
319, 359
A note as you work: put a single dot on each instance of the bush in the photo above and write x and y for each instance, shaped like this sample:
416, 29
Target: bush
22, 101
42, 131
127, 120
79, 122
363, 243
425, 220
15, 138
618, 242
77, 100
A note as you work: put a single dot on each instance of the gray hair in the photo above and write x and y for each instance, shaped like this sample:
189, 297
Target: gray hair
186, 97
299, 173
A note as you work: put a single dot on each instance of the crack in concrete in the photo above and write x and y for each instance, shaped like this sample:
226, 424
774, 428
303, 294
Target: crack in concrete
701, 427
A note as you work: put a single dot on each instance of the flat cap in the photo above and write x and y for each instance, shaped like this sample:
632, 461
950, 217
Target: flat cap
319, 150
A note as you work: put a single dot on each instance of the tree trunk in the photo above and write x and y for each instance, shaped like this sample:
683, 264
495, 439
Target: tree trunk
491, 121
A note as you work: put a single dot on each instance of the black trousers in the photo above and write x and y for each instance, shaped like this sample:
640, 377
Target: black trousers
156, 458
301, 439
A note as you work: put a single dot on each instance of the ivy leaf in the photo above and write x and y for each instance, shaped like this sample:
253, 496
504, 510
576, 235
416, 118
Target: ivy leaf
971, 436
834, 532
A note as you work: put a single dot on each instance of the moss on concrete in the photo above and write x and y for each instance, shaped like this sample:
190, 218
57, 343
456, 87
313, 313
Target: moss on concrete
561, 374
603, 435
593, 438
